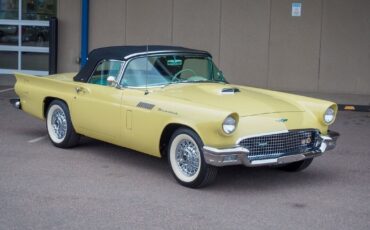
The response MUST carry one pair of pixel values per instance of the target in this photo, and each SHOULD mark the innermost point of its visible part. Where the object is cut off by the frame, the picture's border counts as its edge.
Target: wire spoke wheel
(186, 159)
(59, 125)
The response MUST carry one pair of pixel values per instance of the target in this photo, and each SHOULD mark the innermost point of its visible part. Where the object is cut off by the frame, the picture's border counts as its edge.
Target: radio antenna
(146, 70)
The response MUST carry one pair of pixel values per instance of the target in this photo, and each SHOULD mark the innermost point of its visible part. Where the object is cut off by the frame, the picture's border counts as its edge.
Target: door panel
(98, 111)
(144, 123)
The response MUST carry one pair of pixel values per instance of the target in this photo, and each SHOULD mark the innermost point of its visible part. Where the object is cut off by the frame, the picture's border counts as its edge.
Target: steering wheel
(181, 71)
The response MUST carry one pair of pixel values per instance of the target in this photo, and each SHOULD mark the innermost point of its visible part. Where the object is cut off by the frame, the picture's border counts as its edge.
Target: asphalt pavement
(101, 186)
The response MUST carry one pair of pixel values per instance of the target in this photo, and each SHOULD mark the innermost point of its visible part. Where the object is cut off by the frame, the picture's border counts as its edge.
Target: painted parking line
(6, 90)
(37, 139)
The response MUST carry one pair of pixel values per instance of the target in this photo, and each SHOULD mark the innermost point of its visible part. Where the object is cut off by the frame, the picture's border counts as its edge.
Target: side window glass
(103, 70)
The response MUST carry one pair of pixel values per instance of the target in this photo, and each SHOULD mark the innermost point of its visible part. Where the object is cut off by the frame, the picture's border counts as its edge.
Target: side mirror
(112, 82)
(220, 75)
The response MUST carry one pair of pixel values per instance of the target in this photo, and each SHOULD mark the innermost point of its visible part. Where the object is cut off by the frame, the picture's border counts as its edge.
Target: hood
(243, 100)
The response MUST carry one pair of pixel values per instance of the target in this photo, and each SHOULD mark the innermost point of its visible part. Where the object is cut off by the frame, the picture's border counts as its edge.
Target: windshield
(169, 69)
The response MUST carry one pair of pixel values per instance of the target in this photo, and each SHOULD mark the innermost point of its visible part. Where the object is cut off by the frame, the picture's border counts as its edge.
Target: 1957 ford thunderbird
(174, 102)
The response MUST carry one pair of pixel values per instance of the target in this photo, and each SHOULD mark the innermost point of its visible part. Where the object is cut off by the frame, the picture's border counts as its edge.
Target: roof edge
(166, 52)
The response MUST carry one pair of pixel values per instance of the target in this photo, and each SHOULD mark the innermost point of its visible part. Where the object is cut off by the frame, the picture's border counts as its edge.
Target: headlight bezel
(233, 120)
(330, 111)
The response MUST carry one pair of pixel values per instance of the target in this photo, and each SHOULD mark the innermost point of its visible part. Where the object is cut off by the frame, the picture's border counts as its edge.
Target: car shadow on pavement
(267, 178)
(123, 155)
(30, 133)
(232, 177)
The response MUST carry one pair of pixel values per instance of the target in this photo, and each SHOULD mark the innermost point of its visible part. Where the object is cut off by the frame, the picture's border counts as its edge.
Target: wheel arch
(48, 100)
(167, 133)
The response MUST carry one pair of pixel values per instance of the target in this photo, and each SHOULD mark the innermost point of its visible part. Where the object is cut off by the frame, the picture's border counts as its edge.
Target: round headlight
(229, 125)
(329, 115)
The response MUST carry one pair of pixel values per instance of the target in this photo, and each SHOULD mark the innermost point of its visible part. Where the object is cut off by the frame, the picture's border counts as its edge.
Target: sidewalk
(345, 99)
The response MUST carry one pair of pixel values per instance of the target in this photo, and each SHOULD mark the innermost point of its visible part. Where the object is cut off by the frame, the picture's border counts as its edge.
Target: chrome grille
(281, 144)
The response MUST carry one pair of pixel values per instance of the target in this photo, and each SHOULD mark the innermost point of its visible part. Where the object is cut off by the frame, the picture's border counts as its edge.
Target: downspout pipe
(84, 32)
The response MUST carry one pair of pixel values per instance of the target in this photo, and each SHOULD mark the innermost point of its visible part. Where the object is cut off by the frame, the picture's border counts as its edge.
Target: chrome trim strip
(166, 52)
(120, 77)
(120, 74)
(227, 151)
(264, 162)
(325, 137)
(143, 87)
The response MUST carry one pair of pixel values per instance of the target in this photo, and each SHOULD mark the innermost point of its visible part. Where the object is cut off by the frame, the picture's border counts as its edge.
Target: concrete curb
(355, 108)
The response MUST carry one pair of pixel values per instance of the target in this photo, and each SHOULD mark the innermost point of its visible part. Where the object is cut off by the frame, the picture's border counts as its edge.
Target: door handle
(79, 90)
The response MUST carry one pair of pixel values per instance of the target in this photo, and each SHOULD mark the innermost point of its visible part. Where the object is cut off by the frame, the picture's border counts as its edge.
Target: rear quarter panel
(33, 90)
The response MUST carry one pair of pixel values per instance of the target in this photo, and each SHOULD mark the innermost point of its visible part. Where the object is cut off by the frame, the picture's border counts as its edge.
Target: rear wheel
(59, 125)
(186, 159)
(296, 166)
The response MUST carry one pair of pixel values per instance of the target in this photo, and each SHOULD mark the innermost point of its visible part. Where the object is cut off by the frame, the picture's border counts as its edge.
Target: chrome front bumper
(239, 155)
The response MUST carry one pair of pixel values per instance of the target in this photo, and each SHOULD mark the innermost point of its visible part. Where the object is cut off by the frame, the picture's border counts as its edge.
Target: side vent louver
(144, 105)
(230, 90)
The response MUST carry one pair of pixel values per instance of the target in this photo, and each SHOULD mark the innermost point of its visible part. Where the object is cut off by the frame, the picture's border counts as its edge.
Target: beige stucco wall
(69, 35)
(345, 49)
(255, 42)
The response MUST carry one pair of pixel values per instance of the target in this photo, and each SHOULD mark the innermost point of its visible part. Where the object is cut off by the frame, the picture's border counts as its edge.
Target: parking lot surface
(101, 186)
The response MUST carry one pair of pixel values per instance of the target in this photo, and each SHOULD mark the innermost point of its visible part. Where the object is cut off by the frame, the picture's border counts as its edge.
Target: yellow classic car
(174, 102)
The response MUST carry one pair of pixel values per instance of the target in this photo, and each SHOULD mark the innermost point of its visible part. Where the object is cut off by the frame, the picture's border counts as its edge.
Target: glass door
(24, 35)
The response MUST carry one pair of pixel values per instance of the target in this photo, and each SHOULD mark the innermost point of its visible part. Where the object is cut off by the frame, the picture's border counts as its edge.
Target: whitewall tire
(59, 125)
(185, 157)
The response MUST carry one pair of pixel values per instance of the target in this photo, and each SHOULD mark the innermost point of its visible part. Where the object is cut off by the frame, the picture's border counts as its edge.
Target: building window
(24, 35)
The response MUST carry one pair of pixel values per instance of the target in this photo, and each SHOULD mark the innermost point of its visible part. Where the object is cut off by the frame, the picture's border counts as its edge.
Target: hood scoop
(226, 91)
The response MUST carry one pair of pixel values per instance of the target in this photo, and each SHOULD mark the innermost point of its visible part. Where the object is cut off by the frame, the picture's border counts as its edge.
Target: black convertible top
(124, 53)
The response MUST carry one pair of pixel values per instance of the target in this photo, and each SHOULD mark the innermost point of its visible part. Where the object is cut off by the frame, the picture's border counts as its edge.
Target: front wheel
(59, 125)
(186, 159)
